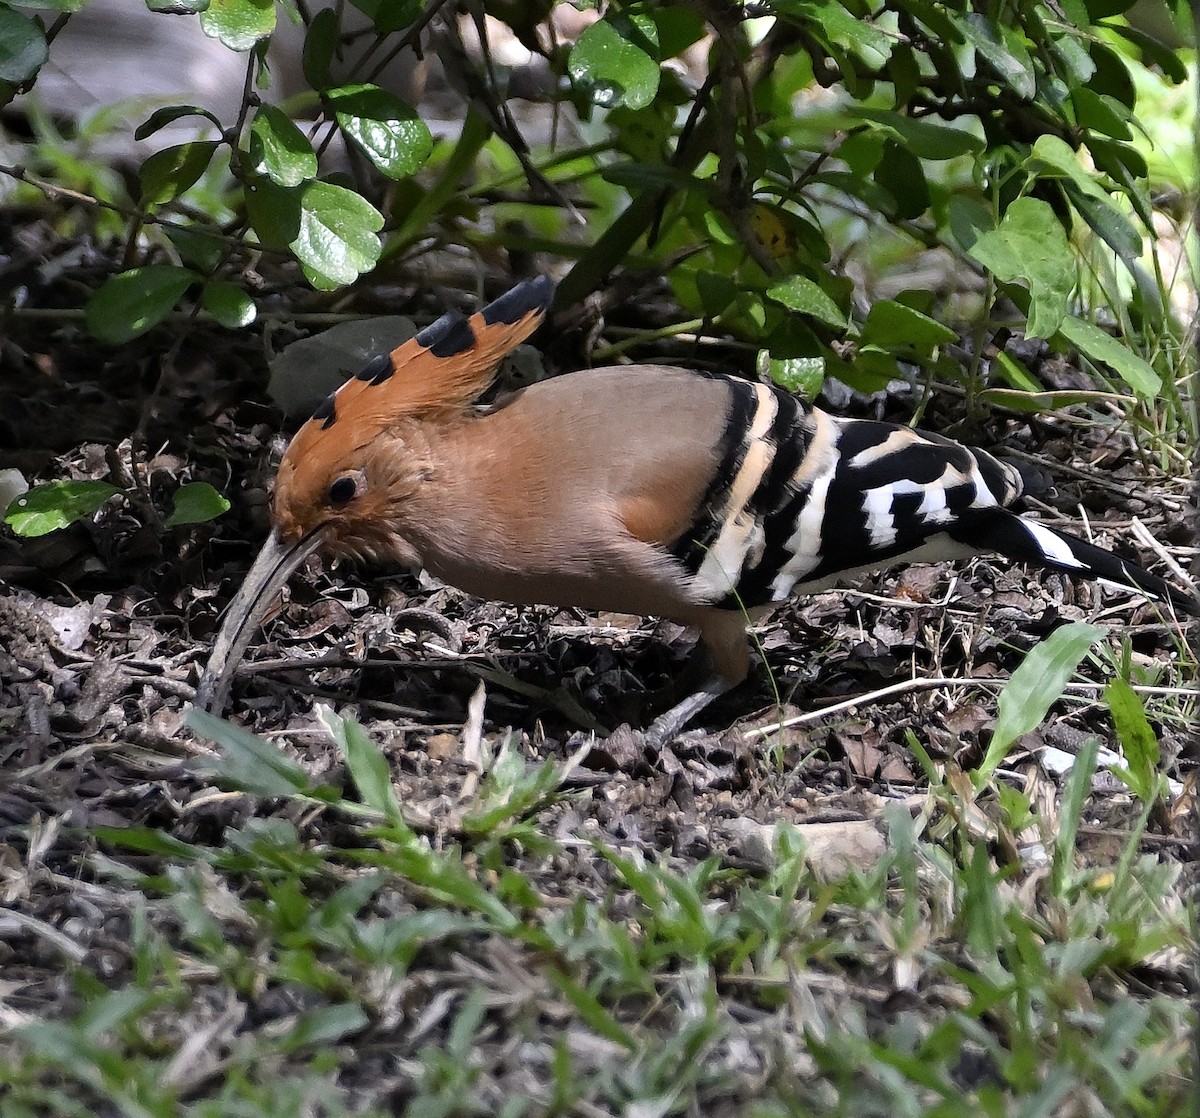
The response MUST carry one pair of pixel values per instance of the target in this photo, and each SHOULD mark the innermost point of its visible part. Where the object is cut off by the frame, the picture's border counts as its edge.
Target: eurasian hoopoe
(639, 489)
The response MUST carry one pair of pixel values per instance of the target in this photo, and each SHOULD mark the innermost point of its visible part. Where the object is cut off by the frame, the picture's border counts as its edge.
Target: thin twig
(908, 685)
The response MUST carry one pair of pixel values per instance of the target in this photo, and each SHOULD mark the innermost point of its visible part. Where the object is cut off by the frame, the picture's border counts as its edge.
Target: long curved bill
(275, 563)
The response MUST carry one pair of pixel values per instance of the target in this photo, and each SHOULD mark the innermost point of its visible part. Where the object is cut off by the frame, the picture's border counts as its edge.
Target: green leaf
(23, 47)
(1030, 245)
(900, 173)
(228, 304)
(1138, 740)
(132, 302)
(368, 766)
(1037, 682)
(148, 840)
(1109, 224)
(274, 211)
(1015, 372)
(245, 760)
(802, 376)
(1078, 63)
(200, 250)
(168, 173)
(337, 238)
(46, 508)
(279, 149)
(1058, 156)
(197, 502)
(840, 28)
(799, 293)
(389, 15)
(678, 28)
(1003, 50)
(717, 292)
(1102, 113)
(1104, 349)
(331, 230)
(613, 69)
(160, 118)
(924, 139)
(1075, 795)
(239, 24)
(591, 1009)
(325, 1025)
(388, 132)
(901, 329)
(320, 42)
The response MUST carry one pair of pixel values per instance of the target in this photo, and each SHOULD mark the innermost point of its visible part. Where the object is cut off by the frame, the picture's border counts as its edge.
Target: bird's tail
(997, 529)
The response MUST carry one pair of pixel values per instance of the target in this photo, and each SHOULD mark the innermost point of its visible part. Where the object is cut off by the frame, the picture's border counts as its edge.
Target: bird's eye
(344, 489)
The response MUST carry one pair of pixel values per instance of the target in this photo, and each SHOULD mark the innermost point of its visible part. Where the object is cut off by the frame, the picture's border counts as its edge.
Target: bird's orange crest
(443, 369)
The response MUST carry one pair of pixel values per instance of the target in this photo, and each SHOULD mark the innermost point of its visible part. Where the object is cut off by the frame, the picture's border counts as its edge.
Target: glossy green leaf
(166, 174)
(338, 236)
(23, 47)
(387, 131)
(228, 304)
(132, 302)
(239, 24)
(197, 502)
(612, 68)
(798, 293)
(1030, 245)
(279, 149)
(1104, 349)
(332, 231)
(1037, 683)
(46, 508)
(801, 376)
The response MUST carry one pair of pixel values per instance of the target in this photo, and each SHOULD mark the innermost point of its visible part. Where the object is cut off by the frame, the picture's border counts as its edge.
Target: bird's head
(346, 476)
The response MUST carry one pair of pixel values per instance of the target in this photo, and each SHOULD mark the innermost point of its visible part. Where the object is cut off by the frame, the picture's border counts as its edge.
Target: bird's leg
(666, 727)
(723, 635)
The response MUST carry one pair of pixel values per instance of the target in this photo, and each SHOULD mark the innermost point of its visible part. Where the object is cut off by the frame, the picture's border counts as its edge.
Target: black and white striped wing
(803, 499)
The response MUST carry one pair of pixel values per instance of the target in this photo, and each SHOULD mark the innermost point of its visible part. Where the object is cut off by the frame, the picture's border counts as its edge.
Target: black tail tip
(530, 296)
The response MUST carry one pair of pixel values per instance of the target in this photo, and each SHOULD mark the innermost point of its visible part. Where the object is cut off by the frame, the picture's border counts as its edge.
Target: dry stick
(1143, 533)
(907, 685)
